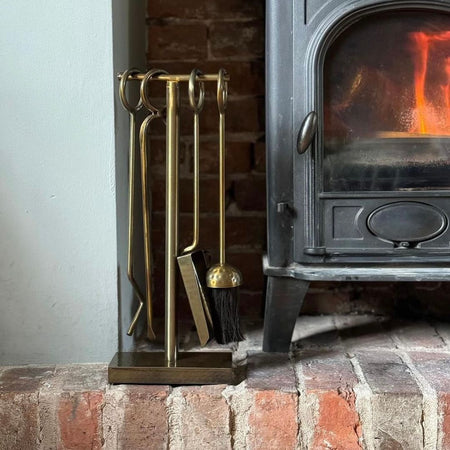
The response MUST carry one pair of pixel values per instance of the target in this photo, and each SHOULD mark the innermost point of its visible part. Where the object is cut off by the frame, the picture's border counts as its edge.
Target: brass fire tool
(192, 262)
(155, 113)
(132, 110)
(222, 278)
(170, 366)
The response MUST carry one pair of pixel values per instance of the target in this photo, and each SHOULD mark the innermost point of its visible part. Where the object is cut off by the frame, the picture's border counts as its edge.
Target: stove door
(384, 159)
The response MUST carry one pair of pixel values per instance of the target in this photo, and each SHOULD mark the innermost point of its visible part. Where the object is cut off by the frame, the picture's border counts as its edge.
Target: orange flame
(432, 115)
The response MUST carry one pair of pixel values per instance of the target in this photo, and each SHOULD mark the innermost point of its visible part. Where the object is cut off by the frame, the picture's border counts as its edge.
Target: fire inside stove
(431, 116)
(387, 105)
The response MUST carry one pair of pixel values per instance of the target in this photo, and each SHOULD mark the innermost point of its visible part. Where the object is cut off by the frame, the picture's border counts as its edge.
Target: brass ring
(196, 106)
(123, 93)
(222, 91)
(144, 96)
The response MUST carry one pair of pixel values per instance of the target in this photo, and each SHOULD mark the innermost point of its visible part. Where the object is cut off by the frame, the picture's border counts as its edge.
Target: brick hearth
(350, 382)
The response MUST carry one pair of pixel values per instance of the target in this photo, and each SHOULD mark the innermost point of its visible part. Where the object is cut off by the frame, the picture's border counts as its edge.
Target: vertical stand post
(172, 136)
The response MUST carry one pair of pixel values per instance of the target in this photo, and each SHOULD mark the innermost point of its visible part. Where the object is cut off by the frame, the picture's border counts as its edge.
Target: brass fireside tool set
(212, 293)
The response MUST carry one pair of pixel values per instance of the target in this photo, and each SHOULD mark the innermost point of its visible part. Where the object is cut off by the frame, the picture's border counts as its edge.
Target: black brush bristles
(225, 315)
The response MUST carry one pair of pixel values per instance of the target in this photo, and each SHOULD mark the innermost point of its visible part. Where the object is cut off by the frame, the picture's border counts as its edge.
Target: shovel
(192, 262)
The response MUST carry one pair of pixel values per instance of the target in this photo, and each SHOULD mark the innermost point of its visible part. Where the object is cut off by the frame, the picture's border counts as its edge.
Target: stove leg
(284, 298)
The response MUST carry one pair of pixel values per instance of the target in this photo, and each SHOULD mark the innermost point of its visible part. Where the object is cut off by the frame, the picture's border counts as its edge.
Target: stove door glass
(386, 97)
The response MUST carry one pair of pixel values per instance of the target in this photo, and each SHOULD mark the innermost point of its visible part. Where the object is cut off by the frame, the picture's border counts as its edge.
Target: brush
(222, 278)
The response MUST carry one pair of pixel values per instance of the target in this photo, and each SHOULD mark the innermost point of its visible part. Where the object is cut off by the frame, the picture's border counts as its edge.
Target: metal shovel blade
(193, 272)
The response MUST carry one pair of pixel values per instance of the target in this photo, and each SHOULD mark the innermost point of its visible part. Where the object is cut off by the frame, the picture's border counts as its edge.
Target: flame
(432, 115)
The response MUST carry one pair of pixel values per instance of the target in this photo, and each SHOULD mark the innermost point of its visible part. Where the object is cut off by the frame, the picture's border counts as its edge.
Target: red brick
(434, 299)
(250, 193)
(199, 9)
(250, 264)
(444, 401)
(238, 157)
(205, 417)
(326, 372)
(260, 156)
(251, 292)
(329, 382)
(318, 333)
(361, 337)
(338, 423)
(157, 151)
(240, 231)
(326, 301)
(348, 298)
(246, 77)
(396, 402)
(158, 154)
(19, 420)
(25, 378)
(70, 407)
(209, 192)
(80, 420)
(174, 41)
(434, 367)
(249, 231)
(416, 334)
(386, 373)
(269, 371)
(423, 299)
(194, 9)
(19, 405)
(251, 304)
(237, 40)
(443, 329)
(243, 115)
(273, 420)
(135, 417)
(209, 231)
(80, 378)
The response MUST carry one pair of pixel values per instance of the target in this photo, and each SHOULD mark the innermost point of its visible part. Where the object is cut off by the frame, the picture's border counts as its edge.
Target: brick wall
(230, 33)
(210, 35)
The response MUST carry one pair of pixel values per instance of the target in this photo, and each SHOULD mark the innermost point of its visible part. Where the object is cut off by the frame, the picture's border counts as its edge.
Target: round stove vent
(407, 222)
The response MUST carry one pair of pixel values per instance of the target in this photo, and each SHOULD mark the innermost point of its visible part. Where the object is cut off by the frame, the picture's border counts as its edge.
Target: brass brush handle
(222, 275)
(222, 97)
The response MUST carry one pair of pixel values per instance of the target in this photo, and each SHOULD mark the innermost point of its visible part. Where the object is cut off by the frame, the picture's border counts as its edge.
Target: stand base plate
(190, 368)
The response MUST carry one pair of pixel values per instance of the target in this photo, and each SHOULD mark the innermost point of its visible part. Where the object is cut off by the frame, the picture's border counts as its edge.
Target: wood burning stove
(358, 147)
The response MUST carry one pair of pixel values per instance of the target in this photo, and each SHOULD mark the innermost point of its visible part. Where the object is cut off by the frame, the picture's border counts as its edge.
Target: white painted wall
(58, 249)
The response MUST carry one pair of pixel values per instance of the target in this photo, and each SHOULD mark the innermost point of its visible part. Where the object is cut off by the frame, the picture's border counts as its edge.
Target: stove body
(364, 194)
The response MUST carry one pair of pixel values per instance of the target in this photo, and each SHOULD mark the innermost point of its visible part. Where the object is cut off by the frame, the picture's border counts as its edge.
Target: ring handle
(123, 93)
(144, 95)
(222, 91)
(196, 106)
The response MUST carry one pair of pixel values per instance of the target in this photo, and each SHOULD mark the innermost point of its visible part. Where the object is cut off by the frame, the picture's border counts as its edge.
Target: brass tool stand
(170, 366)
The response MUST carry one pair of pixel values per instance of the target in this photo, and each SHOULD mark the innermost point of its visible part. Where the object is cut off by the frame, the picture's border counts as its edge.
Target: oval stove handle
(307, 131)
